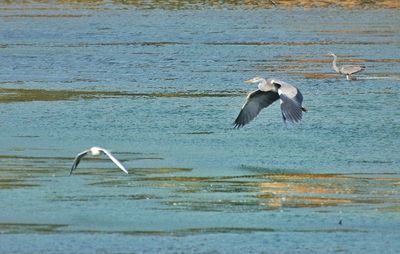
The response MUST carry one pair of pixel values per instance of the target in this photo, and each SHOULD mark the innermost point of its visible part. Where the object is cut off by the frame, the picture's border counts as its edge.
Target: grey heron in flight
(268, 92)
(347, 70)
(96, 151)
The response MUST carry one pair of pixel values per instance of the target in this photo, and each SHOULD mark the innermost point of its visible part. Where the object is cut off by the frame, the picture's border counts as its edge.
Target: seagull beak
(248, 81)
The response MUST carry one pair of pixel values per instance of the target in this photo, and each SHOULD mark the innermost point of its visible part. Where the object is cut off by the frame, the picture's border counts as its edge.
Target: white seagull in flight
(96, 151)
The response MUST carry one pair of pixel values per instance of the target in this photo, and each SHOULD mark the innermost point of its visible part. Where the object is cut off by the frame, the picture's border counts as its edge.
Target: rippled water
(161, 88)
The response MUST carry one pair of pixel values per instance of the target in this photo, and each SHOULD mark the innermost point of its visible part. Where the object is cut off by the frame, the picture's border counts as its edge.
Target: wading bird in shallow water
(347, 70)
(96, 151)
(269, 91)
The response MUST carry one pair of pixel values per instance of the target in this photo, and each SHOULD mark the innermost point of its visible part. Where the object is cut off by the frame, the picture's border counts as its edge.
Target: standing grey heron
(269, 91)
(96, 151)
(346, 69)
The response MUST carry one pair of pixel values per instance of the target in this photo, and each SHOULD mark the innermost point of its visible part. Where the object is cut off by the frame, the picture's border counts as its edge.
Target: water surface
(160, 87)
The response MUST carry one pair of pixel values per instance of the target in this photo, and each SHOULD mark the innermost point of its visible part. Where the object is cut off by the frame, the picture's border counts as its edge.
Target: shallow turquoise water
(168, 85)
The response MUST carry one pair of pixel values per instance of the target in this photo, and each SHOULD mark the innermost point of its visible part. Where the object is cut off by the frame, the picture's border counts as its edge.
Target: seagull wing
(291, 99)
(114, 160)
(255, 102)
(77, 160)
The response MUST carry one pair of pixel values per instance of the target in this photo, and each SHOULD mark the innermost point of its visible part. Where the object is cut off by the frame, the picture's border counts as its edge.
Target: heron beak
(248, 81)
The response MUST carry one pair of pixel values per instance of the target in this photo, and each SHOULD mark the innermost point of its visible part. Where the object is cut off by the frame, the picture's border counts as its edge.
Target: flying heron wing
(119, 164)
(291, 100)
(78, 159)
(255, 102)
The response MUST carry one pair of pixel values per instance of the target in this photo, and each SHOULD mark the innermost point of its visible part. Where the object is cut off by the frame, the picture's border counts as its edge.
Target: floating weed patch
(220, 230)
(197, 133)
(221, 205)
(277, 191)
(300, 43)
(177, 179)
(8, 95)
(253, 192)
(142, 197)
(264, 170)
(138, 178)
(24, 95)
(17, 228)
(331, 230)
(180, 232)
(74, 198)
(24, 228)
(395, 209)
(15, 184)
(271, 191)
(96, 172)
(17, 157)
(317, 75)
(307, 202)
(160, 170)
(45, 16)
(86, 198)
(219, 187)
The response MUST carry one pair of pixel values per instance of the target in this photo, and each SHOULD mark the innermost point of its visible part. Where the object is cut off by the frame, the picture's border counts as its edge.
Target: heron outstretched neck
(334, 63)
